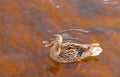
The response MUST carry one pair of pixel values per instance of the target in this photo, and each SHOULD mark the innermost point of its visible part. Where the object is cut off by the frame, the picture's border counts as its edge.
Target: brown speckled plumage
(71, 52)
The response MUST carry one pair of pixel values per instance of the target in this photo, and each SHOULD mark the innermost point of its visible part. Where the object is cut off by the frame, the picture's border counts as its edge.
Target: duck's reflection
(59, 67)
(56, 68)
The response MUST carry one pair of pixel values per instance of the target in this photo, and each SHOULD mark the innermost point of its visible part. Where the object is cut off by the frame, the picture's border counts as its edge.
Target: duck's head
(56, 39)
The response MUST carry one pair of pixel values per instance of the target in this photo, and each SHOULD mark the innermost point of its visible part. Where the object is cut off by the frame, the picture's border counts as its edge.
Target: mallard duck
(70, 52)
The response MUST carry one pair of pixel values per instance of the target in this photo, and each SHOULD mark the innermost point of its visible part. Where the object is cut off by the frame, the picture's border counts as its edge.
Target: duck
(69, 52)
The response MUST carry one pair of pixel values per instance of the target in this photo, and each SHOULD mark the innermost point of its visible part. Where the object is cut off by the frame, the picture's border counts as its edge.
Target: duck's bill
(47, 44)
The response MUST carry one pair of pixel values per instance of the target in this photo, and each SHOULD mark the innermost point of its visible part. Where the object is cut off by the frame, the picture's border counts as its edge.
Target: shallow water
(25, 24)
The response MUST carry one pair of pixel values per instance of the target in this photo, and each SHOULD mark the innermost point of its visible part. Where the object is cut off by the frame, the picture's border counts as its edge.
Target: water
(25, 24)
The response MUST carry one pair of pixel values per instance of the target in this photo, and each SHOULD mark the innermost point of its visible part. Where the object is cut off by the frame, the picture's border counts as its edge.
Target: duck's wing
(74, 50)
(76, 47)
(71, 52)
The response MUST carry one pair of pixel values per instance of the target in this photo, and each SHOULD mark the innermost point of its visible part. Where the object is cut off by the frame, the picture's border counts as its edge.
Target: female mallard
(70, 52)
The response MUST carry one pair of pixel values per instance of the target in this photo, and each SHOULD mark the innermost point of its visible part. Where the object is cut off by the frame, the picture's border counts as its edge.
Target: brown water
(24, 24)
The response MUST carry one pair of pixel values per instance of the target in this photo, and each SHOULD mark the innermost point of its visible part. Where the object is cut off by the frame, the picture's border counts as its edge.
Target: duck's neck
(55, 50)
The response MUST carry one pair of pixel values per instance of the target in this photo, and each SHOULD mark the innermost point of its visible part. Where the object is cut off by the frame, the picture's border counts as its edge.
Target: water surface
(25, 24)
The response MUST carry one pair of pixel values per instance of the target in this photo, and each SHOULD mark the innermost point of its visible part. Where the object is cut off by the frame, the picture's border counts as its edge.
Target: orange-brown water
(24, 24)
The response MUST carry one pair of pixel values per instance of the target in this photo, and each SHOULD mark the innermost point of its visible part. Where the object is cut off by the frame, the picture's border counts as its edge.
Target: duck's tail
(96, 49)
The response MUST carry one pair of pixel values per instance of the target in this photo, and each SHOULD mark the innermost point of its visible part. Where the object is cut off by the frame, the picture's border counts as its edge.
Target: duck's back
(71, 52)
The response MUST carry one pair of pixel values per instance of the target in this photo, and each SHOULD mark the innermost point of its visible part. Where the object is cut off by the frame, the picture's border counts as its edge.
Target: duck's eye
(54, 39)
